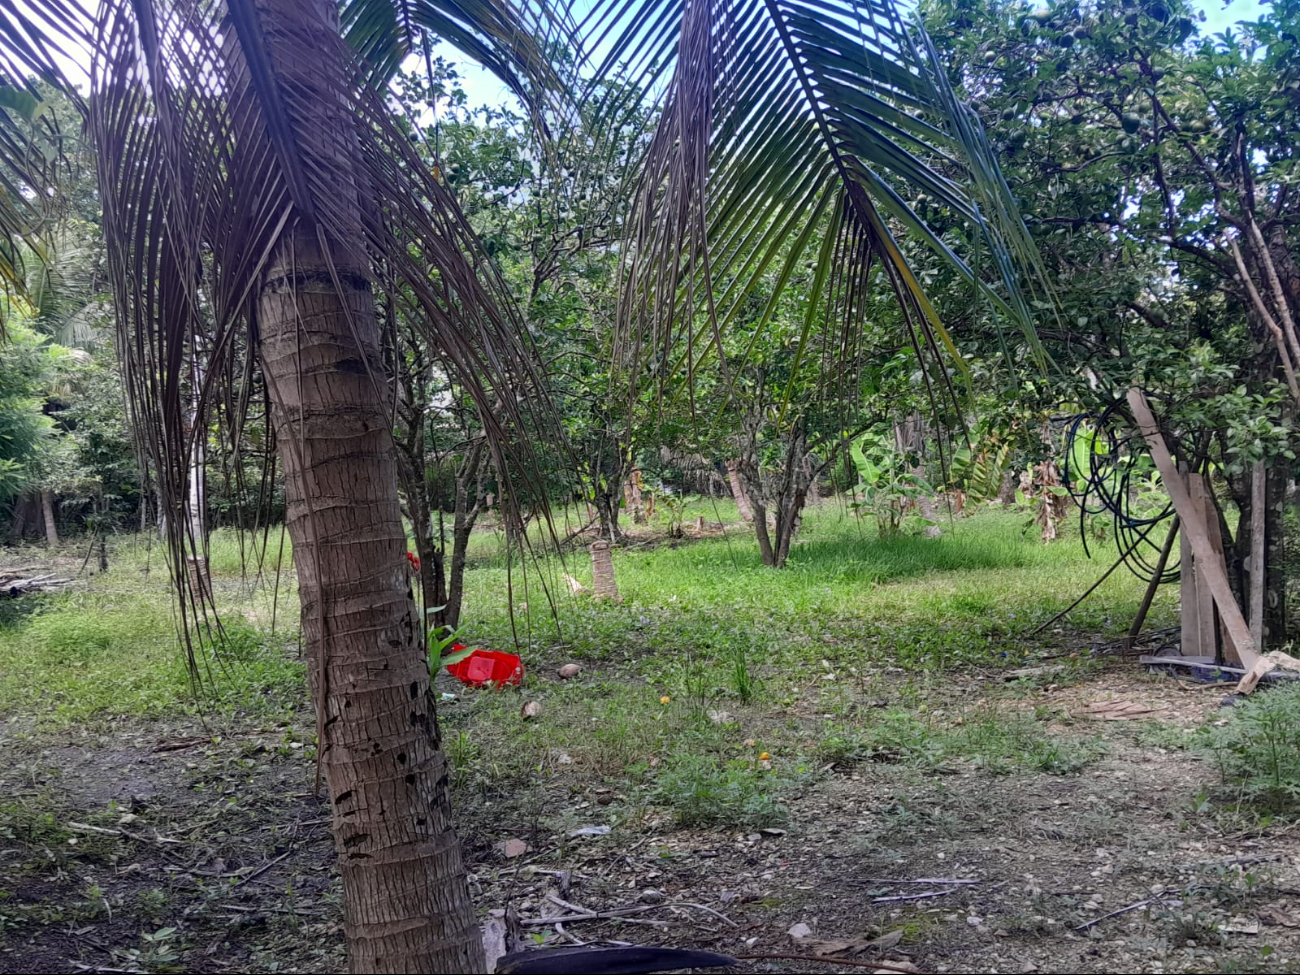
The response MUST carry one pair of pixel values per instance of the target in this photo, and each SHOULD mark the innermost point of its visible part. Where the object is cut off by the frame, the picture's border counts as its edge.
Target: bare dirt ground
(176, 847)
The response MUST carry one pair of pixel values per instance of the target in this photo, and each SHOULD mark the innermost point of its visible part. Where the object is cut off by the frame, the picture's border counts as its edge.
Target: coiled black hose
(1104, 487)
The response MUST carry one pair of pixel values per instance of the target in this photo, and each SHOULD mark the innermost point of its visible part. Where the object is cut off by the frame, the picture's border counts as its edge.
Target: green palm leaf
(788, 118)
(31, 144)
(509, 40)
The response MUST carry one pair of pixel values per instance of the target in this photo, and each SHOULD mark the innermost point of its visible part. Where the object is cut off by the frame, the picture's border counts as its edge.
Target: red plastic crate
(484, 667)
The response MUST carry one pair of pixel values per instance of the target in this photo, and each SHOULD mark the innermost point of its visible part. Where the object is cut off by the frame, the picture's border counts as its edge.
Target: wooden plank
(1189, 619)
(1230, 651)
(1204, 598)
(1192, 518)
(1258, 504)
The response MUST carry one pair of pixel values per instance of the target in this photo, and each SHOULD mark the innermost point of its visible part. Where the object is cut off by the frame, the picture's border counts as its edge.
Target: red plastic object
(488, 667)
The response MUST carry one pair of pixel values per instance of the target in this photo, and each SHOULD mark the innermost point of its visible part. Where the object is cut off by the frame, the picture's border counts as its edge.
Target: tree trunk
(764, 536)
(928, 508)
(738, 490)
(468, 508)
(789, 516)
(407, 905)
(1275, 576)
(1007, 491)
(632, 496)
(196, 502)
(51, 528)
(814, 490)
(607, 513)
(21, 518)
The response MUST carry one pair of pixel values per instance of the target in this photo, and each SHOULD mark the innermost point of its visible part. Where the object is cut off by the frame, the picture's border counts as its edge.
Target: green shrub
(703, 790)
(67, 637)
(1258, 750)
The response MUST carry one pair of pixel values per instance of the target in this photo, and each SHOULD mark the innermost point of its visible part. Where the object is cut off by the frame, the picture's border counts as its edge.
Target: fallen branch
(299, 912)
(127, 834)
(1123, 910)
(17, 586)
(616, 914)
(928, 895)
(264, 868)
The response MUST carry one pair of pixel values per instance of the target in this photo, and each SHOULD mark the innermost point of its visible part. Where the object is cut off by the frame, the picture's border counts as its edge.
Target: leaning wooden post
(1210, 563)
(603, 585)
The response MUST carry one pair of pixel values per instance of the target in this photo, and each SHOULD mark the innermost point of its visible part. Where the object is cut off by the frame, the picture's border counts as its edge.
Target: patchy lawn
(867, 747)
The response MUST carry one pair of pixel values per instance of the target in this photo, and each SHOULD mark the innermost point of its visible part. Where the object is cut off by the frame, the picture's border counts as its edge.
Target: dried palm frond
(783, 121)
(205, 165)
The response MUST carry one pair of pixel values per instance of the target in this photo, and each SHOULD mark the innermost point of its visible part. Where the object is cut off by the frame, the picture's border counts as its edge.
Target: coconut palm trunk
(407, 903)
(51, 526)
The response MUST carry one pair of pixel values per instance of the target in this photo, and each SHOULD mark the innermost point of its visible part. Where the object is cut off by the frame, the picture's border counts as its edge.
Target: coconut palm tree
(258, 203)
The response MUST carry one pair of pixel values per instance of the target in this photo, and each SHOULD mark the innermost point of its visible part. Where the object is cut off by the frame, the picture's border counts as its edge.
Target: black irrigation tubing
(1106, 487)
(1123, 558)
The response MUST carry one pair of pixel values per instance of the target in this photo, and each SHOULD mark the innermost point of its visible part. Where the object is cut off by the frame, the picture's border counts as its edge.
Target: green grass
(701, 618)
(998, 742)
(750, 659)
(111, 649)
(968, 597)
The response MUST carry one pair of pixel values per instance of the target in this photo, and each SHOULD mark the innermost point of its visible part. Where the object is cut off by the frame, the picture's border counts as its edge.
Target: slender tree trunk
(928, 508)
(1275, 575)
(22, 514)
(197, 519)
(51, 527)
(814, 490)
(407, 906)
(196, 501)
(788, 519)
(468, 508)
(607, 513)
(738, 490)
(765, 548)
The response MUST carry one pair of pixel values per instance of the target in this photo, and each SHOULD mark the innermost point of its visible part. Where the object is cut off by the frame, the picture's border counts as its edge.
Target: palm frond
(31, 144)
(205, 163)
(785, 119)
(513, 41)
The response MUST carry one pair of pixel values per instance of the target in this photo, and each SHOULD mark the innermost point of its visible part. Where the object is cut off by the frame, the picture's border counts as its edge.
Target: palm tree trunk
(407, 902)
(51, 528)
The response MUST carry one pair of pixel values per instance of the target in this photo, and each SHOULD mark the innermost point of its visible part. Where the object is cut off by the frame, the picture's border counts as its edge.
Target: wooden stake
(1140, 620)
(1188, 599)
(1210, 564)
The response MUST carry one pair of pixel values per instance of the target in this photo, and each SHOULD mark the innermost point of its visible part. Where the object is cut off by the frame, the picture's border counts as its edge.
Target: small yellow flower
(765, 757)
(665, 699)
